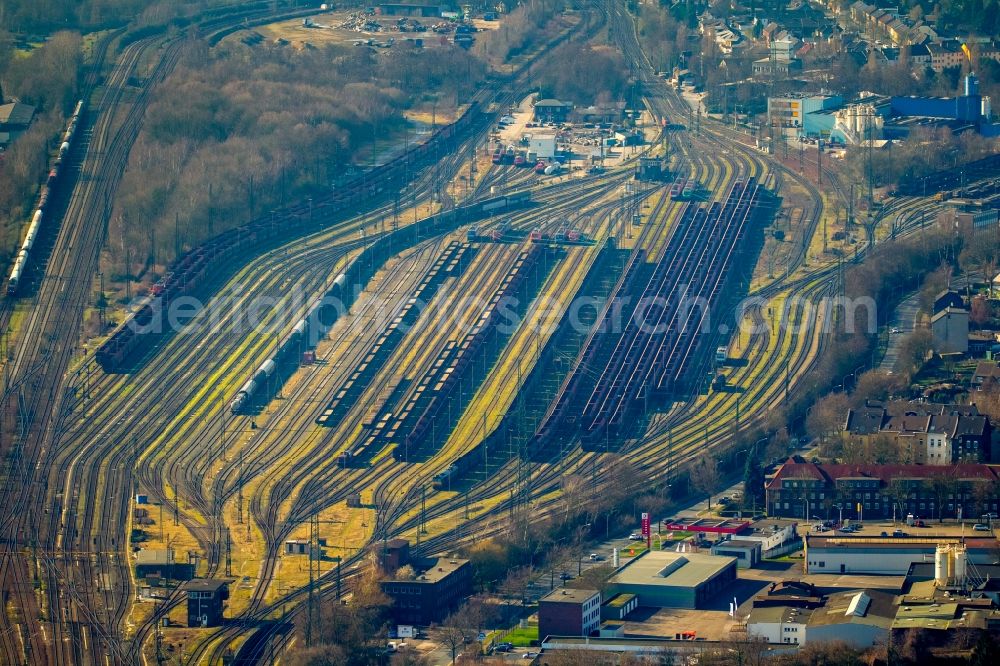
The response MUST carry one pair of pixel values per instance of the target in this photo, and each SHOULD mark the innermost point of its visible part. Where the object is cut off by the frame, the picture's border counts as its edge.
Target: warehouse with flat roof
(887, 556)
(674, 580)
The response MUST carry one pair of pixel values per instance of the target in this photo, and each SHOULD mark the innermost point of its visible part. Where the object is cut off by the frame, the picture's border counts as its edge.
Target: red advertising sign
(645, 524)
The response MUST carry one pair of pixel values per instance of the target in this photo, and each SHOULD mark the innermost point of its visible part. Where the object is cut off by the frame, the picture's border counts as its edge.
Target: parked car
(565, 576)
(594, 557)
(635, 536)
(899, 533)
(980, 527)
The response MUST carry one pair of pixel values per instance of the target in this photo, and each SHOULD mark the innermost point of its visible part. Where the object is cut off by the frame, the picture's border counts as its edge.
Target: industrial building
(891, 556)
(792, 110)
(15, 118)
(929, 581)
(747, 553)
(161, 565)
(432, 594)
(543, 145)
(394, 554)
(947, 599)
(775, 539)
(567, 611)
(860, 618)
(618, 606)
(667, 579)
(872, 117)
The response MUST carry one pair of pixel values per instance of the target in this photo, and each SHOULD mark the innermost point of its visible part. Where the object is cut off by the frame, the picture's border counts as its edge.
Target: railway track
(96, 472)
(72, 628)
(186, 443)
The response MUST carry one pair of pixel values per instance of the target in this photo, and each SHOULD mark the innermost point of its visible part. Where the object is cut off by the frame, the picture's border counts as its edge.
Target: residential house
(987, 375)
(946, 54)
(950, 331)
(948, 298)
(15, 118)
(929, 433)
(552, 110)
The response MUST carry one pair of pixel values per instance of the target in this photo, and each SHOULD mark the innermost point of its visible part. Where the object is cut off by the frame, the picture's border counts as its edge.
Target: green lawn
(523, 637)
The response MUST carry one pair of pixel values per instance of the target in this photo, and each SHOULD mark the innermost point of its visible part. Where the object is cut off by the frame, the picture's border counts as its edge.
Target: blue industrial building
(888, 117)
(966, 108)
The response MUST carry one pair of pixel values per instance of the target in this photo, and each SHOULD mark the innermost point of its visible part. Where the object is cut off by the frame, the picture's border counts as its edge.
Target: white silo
(961, 564)
(941, 565)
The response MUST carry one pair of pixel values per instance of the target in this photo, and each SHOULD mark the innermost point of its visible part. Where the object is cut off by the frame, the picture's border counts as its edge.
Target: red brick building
(808, 490)
(432, 594)
(569, 612)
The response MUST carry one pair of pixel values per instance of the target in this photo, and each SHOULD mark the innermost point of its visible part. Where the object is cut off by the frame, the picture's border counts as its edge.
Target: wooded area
(523, 29)
(923, 152)
(583, 74)
(237, 130)
(38, 17)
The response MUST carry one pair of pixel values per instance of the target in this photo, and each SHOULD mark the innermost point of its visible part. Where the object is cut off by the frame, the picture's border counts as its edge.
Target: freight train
(192, 268)
(472, 459)
(951, 178)
(41, 206)
(319, 317)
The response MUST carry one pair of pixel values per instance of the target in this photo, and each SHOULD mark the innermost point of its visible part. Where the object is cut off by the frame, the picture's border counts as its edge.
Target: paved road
(903, 319)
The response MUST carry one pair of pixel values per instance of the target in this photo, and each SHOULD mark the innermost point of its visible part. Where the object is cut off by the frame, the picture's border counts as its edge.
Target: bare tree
(453, 633)
(827, 416)
(479, 613)
(705, 477)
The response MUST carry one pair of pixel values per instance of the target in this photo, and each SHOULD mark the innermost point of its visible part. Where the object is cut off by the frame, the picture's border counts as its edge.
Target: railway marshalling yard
(231, 489)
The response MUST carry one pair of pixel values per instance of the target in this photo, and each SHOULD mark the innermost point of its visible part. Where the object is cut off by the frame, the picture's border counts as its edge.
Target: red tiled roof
(805, 470)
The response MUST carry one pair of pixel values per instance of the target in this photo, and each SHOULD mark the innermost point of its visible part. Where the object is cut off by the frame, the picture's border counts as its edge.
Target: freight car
(473, 458)
(302, 336)
(23, 257)
(951, 178)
